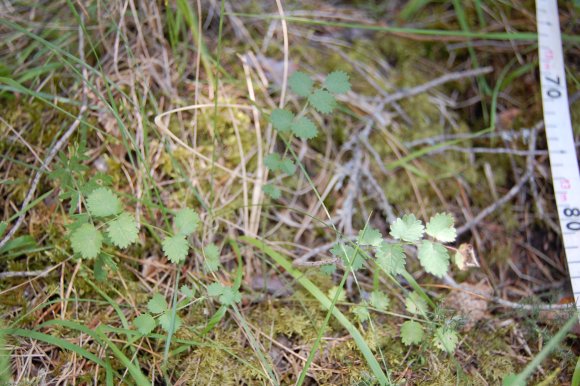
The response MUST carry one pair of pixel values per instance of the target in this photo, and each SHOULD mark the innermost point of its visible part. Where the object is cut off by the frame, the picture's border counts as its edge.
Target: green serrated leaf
(281, 120)
(212, 258)
(186, 221)
(304, 128)
(446, 340)
(411, 333)
(165, 322)
(415, 304)
(407, 228)
(441, 228)
(102, 202)
(379, 300)
(215, 289)
(337, 82)
(157, 304)
(434, 258)
(391, 258)
(275, 163)
(350, 257)
(145, 323)
(272, 191)
(288, 167)
(370, 236)
(123, 231)
(86, 240)
(300, 83)
(361, 311)
(230, 296)
(323, 101)
(272, 161)
(187, 291)
(176, 248)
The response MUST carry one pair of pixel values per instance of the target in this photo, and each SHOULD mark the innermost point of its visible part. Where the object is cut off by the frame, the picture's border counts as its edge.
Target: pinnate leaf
(337, 82)
(144, 323)
(123, 231)
(434, 258)
(186, 221)
(411, 333)
(272, 191)
(323, 101)
(407, 228)
(157, 304)
(370, 236)
(391, 258)
(175, 248)
(300, 83)
(304, 128)
(86, 240)
(102, 202)
(441, 228)
(281, 119)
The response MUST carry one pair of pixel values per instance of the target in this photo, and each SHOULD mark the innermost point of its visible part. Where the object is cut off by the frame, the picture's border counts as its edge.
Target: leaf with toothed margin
(441, 228)
(281, 120)
(86, 240)
(145, 323)
(123, 230)
(433, 257)
(411, 333)
(300, 83)
(102, 202)
(175, 248)
(407, 228)
(337, 82)
(323, 101)
(272, 191)
(304, 128)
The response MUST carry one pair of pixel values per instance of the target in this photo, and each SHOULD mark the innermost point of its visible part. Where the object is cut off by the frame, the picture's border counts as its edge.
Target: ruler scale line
(561, 147)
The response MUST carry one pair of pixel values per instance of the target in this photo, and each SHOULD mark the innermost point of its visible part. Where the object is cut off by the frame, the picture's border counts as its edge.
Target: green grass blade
(520, 379)
(53, 340)
(326, 303)
(458, 35)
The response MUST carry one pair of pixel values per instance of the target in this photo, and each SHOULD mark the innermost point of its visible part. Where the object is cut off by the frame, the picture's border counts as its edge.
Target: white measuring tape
(563, 159)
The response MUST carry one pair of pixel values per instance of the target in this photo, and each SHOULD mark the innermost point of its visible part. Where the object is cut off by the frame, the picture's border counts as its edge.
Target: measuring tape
(563, 159)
